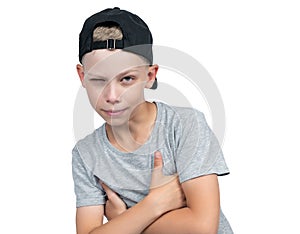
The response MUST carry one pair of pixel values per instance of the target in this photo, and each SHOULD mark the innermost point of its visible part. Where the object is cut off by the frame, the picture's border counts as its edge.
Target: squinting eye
(97, 80)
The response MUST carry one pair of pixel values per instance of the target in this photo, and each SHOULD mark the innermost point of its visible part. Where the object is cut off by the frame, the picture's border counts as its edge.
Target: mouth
(114, 113)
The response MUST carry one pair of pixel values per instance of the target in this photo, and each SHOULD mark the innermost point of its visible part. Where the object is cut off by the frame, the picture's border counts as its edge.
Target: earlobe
(80, 72)
(151, 75)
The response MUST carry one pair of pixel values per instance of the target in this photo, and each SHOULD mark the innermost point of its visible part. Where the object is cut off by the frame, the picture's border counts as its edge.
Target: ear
(152, 71)
(80, 72)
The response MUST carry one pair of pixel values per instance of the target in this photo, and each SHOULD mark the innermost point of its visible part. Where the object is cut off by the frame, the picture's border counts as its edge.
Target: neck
(131, 136)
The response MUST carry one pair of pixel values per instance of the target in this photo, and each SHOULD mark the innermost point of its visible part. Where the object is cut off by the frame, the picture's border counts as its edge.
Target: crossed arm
(162, 211)
(201, 215)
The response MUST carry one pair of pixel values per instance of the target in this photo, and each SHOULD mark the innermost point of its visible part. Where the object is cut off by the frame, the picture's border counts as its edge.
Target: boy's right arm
(133, 220)
(89, 218)
(160, 200)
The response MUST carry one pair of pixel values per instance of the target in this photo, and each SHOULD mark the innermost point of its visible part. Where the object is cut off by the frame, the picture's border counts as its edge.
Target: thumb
(158, 178)
(157, 173)
(158, 160)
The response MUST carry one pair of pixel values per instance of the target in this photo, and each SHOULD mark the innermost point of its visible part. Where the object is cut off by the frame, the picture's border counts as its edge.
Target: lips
(114, 113)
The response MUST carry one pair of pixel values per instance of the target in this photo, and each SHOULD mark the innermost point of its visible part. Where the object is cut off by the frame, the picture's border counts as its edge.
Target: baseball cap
(137, 37)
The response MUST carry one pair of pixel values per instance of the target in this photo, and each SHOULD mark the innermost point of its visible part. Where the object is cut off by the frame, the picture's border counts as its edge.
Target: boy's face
(115, 82)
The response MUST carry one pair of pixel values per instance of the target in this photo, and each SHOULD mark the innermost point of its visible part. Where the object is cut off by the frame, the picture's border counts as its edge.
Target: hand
(114, 205)
(165, 191)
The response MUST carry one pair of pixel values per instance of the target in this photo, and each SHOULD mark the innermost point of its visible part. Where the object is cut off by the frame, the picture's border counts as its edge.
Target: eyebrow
(93, 76)
(126, 72)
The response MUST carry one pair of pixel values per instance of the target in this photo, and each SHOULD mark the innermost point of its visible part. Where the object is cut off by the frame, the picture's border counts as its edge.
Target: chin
(116, 122)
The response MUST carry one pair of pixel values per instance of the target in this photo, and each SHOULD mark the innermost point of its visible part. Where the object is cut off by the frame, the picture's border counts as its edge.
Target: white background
(250, 48)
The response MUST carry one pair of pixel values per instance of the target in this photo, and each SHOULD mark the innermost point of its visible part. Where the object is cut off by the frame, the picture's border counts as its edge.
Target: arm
(89, 219)
(134, 220)
(201, 214)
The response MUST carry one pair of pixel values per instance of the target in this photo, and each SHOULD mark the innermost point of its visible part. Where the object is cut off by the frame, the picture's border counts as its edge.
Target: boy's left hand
(114, 205)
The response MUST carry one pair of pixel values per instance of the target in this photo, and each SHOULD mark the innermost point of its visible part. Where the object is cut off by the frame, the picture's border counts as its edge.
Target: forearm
(182, 221)
(133, 220)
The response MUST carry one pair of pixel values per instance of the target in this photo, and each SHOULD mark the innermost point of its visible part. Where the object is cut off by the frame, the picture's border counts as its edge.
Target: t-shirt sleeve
(87, 190)
(198, 151)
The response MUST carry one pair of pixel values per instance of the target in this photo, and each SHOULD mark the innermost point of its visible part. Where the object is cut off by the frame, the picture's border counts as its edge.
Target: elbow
(204, 228)
(204, 224)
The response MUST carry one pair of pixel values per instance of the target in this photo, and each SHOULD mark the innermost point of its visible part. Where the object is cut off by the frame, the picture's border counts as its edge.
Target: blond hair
(103, 33)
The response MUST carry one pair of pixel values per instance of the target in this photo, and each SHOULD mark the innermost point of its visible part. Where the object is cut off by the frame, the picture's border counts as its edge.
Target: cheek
(134, 95)
(94, 96)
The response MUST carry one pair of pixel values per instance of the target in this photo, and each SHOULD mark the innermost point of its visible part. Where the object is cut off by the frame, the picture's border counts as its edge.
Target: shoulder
(185, 115)
(87, 148)
(90, 140)
(186, 123)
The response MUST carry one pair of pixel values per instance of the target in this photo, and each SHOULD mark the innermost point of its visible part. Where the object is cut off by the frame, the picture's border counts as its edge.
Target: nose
(111, 93)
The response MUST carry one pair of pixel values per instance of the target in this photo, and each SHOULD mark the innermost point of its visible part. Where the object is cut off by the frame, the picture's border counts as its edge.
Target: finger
(110, 193)
(158, 159)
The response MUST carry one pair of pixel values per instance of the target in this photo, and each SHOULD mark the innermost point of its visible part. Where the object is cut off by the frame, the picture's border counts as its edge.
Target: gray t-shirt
(188, 146)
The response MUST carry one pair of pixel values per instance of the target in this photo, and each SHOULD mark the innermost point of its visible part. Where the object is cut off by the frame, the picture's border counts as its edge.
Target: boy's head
(114, 29)
(115, 49)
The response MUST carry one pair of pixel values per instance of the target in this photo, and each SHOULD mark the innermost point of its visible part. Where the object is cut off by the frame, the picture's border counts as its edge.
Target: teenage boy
(113, 167)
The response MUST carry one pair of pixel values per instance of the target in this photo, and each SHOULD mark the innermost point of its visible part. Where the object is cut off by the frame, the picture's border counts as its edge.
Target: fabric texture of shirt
(188, 147)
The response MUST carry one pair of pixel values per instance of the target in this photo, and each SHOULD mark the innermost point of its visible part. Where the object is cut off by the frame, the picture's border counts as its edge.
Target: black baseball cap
(137, 37)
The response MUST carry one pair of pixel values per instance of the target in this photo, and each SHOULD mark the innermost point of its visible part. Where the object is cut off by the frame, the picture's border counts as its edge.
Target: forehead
(109, 63)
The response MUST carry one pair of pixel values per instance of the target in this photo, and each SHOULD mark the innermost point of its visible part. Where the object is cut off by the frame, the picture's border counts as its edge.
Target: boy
(113, 167)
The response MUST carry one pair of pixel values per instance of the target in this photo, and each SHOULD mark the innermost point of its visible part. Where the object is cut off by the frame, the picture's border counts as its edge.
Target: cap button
(117, 8)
